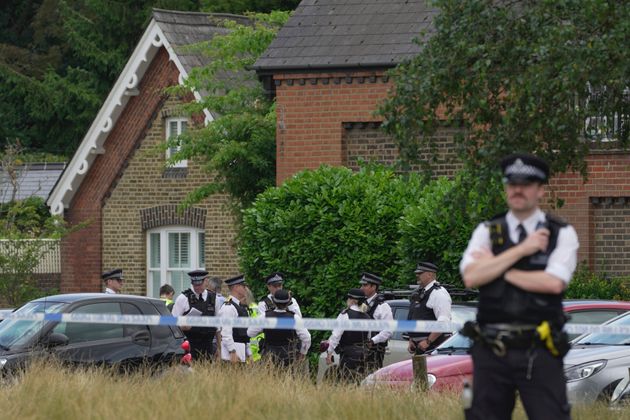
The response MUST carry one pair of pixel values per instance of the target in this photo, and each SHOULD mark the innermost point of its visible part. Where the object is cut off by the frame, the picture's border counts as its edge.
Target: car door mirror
(56, 340)
(142, 338)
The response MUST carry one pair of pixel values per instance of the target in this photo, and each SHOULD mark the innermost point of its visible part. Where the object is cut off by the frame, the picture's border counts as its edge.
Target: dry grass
(48, 391)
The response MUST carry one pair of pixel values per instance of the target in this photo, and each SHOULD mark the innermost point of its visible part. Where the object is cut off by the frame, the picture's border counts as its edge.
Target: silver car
(397, 347)
(597, 363)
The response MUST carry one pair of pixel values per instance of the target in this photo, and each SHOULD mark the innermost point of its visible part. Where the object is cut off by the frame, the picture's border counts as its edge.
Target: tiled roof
(326, 34)
(182, 29)
(36, 179)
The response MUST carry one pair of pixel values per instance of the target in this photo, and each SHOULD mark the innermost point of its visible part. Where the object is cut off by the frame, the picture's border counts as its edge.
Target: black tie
(521, 233)
(200, 297)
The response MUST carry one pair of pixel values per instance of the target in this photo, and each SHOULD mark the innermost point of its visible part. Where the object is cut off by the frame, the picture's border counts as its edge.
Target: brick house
(118, 183)
(327, 71)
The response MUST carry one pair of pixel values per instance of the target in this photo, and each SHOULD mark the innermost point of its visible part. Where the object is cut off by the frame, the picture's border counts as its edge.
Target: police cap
(281, 296)
(236, 280)
(356, 294)
(197, 276)
(426, 266)
(369, 278)
(274, 278)
(521, 168)
(116, 273)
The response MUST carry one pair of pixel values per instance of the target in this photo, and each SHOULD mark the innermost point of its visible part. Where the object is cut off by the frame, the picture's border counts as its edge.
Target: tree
(237, 149)
(58, 61)
(27, 233)
(519, 75)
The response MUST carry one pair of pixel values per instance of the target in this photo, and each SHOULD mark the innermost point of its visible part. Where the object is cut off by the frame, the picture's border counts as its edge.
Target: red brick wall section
(81, 252)
(311, 109)
(598, 211)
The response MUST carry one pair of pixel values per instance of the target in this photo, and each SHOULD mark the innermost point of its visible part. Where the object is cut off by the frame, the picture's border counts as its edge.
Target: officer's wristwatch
(232, 351)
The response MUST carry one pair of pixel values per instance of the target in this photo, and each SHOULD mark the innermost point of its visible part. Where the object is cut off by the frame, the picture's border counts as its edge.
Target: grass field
(47, 391)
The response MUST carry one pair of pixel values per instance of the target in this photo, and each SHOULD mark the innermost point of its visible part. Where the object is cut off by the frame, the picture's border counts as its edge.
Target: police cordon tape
(326, 324)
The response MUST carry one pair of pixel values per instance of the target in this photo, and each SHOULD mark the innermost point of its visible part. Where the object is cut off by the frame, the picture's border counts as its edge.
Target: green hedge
(437, 228)
(322, 228)
(586, 284)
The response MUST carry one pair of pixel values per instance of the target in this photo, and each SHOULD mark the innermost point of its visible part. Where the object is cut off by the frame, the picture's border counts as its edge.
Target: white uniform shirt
(227, 339)
(562, 260)
(382, 312)
(440, 302)
(335, 337)
(302, 333)
(293, 307)
(110, 291)
(181, 303)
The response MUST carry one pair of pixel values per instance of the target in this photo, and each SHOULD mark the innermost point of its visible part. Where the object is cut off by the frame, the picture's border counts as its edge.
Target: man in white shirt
(198, 301)
(234, 341)
(275, 281)
(431, 302)
(379, 309)
(521, 262)
(113, 281)
(283, 346)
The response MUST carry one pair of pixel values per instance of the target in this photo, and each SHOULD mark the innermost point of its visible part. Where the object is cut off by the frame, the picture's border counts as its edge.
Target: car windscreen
(456, 342)
(608, 338)
(18, 332)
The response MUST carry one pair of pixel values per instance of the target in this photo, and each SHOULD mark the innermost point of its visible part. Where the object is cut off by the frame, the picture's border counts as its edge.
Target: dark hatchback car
(121, 345)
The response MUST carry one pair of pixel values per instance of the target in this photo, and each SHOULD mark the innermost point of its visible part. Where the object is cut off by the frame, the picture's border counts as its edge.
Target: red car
(450, 364)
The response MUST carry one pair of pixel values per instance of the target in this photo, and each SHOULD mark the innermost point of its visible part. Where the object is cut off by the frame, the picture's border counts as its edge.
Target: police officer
(283, 346)
(431, 302)
(198, 301)
(234, 341)
(275, 281)
(351, 346)
(521, 262)
(113, 280)
(377, 309)
(166, 294)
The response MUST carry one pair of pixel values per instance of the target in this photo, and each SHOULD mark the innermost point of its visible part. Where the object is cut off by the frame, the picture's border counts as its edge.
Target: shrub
(586, 284)
(322, 228)
(438, 226)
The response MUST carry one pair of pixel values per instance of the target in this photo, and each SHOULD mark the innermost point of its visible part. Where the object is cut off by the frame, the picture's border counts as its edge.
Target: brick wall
(329, 118)
(143, 192)
(125, 179)
(367, 142)
(598, 209)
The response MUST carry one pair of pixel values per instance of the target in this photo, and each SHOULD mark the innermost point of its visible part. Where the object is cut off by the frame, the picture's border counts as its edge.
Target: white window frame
(180, 123)
(164, 270)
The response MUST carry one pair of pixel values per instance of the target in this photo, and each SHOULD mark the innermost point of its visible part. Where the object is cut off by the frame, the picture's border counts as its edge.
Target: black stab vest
(419, 311)
(206, 307)
(278, 337)
(351, 338)
(239, 334)
(501, 302)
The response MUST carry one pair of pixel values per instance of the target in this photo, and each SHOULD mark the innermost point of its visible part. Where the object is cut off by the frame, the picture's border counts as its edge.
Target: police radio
(540, 258)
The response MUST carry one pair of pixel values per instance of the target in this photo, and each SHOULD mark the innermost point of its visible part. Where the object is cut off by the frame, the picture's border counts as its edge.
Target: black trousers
(496, 380)
(201, 349)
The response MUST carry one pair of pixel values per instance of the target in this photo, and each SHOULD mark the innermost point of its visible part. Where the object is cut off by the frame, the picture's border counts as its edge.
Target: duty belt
(500, 337)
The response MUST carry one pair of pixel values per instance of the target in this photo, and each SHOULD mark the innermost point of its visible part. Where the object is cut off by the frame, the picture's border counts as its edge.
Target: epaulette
(560, 222)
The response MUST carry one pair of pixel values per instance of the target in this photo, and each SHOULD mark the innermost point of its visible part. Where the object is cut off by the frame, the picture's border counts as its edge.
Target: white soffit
(125, 87)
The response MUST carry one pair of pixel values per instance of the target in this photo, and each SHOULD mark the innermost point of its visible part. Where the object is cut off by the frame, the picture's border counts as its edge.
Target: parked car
(3, 312)
(397, 346)
(597, 363)
(450, 364)
(89, 343)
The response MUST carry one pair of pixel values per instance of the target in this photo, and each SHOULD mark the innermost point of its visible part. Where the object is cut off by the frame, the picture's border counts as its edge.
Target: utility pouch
(471, 330)
(560, 341)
